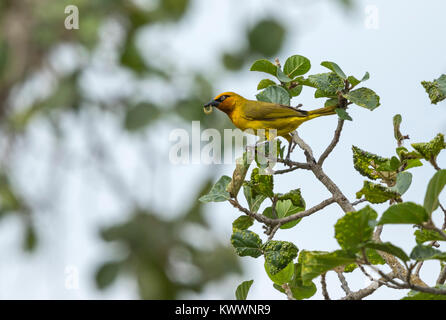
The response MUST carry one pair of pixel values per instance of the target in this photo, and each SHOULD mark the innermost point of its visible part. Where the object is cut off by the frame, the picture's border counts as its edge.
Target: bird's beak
(212, 103)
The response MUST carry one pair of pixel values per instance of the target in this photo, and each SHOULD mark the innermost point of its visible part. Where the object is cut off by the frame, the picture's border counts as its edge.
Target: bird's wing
(256, 110)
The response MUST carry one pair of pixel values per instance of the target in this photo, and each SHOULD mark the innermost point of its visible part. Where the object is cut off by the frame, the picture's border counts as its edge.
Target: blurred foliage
(161, 259)
(25, 52)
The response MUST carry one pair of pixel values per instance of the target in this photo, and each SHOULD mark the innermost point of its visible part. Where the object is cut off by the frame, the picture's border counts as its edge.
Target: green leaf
(243, 289)
(261, 183)
(373, 256)
(424, 235)
(436, 89)
(331, 102)
(284, 208)
(403, 182)
(283, 276)
(295, 91)
(299, 290)
(343, 114)
(246, 243)
(431, 149)
(218, 192)
(413, 163)
(366, 163)
(274, 94)
(404, 213)
(390, 166)
(376, 193)
(434, 188)
(288, 204)
(264, 65)
(140, 116)
(350, 267)
(254, 200)
(335, 68)
(282, 76)
(107, 274)
(327, 83)
(363, 97)
(421, 252)
(397, 119)
(278, 254)
(355, 228)
(365, 77)
(389, 248)
(305, 82)
(323, 94)
(416, 295)
(295, 196)
(314, 263)
(239, 174)
(296, 65)
(354, 82)
(265, 83)
(242, 223)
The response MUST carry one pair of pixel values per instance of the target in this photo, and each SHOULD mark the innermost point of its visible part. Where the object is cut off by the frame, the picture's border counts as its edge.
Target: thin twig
(359, 201)
(324, 287)
(344, 283)
(274, 222)
(273, 231)
(288, 292)
(412, 286)
(375, 285)
(308, 212)
(444, 211)
(292, 166)
(333, 143)
(442, 276)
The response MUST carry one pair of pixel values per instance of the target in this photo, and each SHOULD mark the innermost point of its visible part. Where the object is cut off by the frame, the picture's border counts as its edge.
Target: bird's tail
(326, 111)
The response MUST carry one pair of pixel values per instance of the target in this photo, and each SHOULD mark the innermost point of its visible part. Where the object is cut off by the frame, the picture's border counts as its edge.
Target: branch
(442, 277)
(444, 211)
(339, 197)
(324, 287)
(333, 143)
(306, 213)
(256, 216)
(344, 284)
(414, 286)
(375, 285)
(292, 166)
(397, 268)
(305, 147)
(288, 292)
(359, 201)
(276, 223)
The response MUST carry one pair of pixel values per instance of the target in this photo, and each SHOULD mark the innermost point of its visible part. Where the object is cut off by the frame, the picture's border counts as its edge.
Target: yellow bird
(255, 115)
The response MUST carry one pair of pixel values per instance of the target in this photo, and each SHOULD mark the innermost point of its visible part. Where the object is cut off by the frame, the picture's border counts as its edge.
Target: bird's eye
(222, 98)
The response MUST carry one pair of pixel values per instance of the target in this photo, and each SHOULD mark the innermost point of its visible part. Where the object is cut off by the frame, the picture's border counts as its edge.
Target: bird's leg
(288, 155)
(291, 146)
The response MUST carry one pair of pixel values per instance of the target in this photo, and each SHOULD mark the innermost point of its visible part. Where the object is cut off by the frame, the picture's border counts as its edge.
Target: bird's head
(225, 101)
